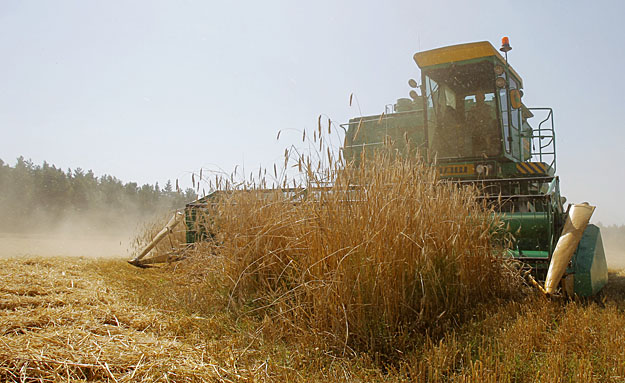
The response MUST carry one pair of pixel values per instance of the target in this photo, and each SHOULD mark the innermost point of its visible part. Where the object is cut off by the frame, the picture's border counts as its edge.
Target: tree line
(36, 196)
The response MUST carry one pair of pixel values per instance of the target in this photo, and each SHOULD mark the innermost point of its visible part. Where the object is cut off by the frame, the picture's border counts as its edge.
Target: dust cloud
(85, 235)
(52, 245)
(613, 238)
(615, 255)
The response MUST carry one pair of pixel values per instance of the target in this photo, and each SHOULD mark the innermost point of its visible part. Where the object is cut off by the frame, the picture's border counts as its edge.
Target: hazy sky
(152, 90)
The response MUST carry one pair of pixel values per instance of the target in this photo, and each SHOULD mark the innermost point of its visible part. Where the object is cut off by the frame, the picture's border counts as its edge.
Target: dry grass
(69, 319)
(89, 320)
(60, 322)
(532, 341)
(370, 268)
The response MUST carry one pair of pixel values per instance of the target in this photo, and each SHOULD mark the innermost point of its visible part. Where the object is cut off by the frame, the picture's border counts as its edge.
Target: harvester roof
(458, 53)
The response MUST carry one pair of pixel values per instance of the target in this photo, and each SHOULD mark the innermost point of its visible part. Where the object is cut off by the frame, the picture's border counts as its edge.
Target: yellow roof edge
(459, 52)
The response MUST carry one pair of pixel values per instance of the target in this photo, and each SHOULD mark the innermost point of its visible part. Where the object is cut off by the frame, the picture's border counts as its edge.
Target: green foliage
(36, 196)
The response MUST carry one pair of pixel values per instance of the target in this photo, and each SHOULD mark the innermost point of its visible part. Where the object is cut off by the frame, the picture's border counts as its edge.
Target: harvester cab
(469, 115)
(473, 107)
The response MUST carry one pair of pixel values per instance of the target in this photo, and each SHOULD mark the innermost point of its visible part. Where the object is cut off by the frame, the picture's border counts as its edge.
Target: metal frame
(551, 204)
(546, 150)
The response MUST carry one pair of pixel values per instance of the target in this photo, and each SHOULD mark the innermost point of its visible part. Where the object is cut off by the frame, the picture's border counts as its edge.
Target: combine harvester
(470, 120)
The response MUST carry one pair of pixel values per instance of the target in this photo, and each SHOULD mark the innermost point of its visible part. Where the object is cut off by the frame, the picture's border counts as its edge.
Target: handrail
(544, 138)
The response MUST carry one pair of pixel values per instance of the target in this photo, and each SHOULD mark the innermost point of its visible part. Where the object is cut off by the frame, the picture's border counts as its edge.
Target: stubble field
(103, 320)
(67, 315)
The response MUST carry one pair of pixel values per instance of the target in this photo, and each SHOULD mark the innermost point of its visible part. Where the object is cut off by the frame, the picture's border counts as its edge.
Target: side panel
(374, 132)
(190, 223)
(589, 263)
(530, 230)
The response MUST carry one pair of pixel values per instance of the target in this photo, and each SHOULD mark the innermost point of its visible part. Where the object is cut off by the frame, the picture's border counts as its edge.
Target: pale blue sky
(152, 90)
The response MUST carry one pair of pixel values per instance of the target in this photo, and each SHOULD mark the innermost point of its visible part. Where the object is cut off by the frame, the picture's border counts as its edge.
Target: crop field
(311, 192)
(104, 320)
(396, 282)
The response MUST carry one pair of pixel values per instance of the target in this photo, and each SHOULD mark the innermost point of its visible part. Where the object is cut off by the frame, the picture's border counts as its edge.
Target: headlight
(500, 82)
(498, 70)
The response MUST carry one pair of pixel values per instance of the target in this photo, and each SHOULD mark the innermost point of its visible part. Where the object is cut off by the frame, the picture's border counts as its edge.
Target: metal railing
(543, 139)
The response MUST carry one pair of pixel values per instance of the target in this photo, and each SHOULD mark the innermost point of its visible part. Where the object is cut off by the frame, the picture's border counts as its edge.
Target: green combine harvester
(469, 119)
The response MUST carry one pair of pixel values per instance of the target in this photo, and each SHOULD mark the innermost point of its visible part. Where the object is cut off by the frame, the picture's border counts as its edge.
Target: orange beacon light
(505, 45)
